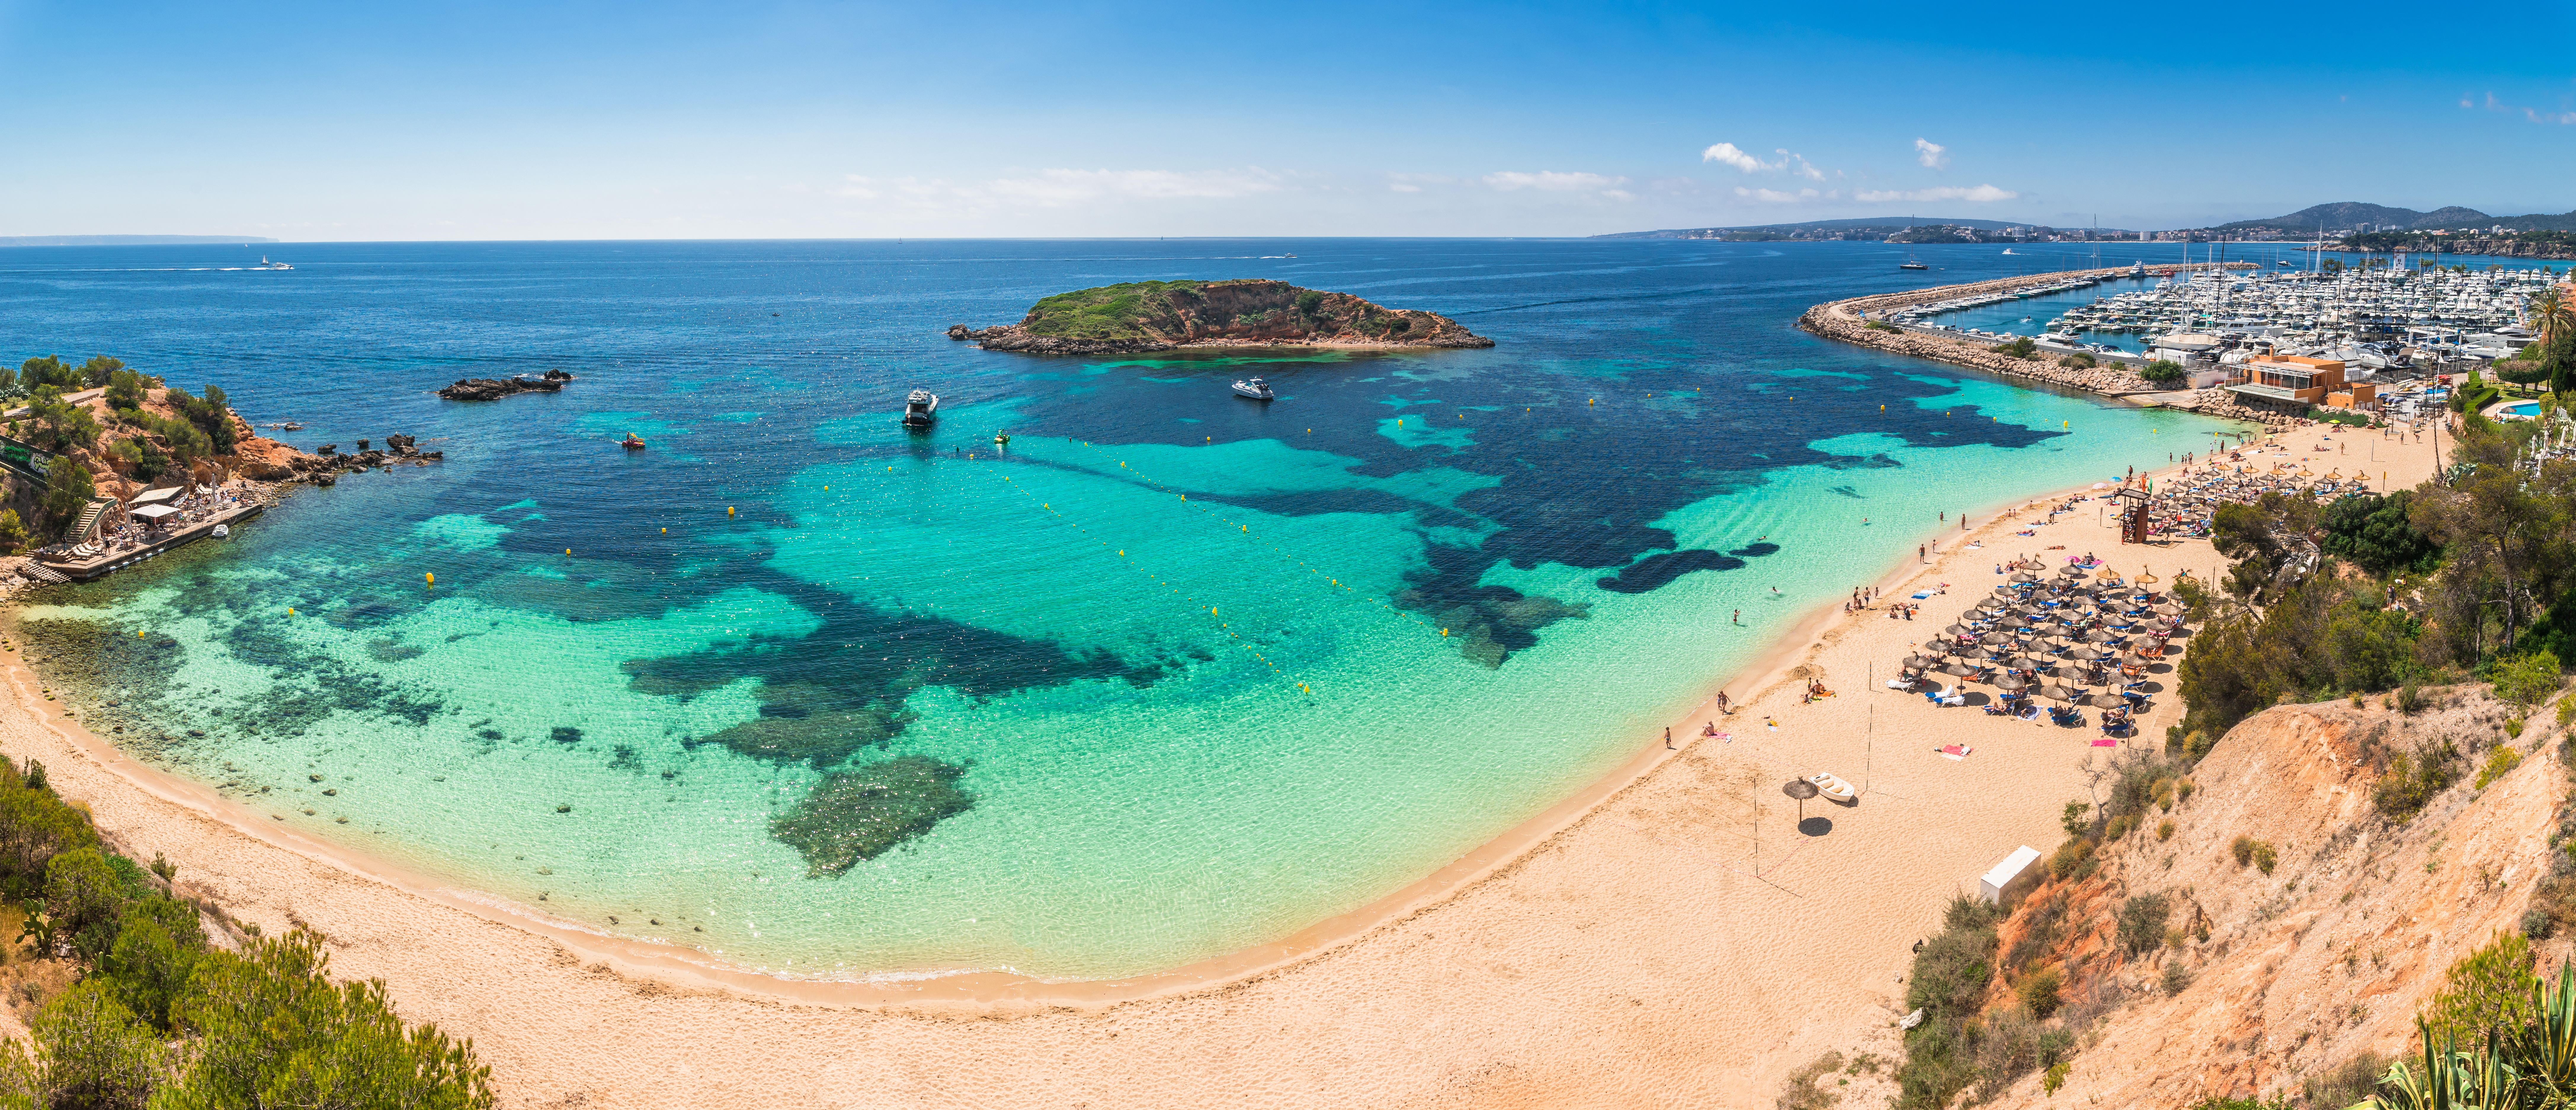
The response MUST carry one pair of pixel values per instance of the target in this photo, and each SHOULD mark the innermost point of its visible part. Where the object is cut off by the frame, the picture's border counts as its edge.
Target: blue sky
(645, 119)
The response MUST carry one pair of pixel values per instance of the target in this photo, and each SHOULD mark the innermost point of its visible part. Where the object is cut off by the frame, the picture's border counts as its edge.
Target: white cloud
(1552, 181)
(1980, 194)
(1932, 155)
(1413, 182)
(1727, 153)
(1057, 187)
(1775, 196)
(2538, 116)
(1804, 169)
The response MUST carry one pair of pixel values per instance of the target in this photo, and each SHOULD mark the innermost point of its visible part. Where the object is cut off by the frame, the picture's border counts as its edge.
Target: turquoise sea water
(1164, 678)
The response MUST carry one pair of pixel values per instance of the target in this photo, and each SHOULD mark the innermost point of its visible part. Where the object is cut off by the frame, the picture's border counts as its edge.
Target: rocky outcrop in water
(493, 389)
(1162, 315)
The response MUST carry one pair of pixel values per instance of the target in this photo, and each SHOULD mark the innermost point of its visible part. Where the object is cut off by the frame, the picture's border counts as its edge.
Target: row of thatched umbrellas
(2012, 611)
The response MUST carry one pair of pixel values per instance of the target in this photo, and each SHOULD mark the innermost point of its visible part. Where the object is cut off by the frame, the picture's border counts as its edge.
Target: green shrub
(2265, 858)
(2024, 347)
(2040, 990)
(1801, 1093)
(13, 534)
(2528, 680)
(2486, 989)
(2501, 759)
(2164, 831)
(2412, 780)
(2163, 371)
(2177, 979)
(272, 1029)
(68, 488)
(2142, 922)
(2242, 849)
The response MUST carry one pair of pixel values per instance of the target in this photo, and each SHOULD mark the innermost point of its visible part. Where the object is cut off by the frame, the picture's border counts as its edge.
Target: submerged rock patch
(858, 814)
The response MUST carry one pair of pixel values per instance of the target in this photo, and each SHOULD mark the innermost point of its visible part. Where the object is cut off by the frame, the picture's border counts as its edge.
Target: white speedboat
(222, 530)
(921, 409)
(265, 264)
(1254, 388)
(1833, 788)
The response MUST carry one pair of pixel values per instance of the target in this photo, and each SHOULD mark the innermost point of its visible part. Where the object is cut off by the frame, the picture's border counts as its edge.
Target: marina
(2383, 320)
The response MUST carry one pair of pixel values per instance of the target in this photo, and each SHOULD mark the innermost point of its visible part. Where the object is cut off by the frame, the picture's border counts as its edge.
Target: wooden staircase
(88, 521)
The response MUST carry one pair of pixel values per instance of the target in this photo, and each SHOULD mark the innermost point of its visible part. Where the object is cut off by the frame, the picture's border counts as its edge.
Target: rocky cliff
(1161, 315)
(2319, 951)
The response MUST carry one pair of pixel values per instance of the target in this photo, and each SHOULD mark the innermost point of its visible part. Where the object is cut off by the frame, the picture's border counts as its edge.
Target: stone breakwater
(1843, 320)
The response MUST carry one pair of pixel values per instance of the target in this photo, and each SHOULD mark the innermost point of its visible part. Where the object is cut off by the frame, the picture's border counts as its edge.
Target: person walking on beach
(1922, 553)
(1738, 618)
(1723, 704)
(1668, 738)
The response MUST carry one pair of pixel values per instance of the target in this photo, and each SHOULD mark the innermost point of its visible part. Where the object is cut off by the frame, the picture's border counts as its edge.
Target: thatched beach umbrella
(1918, 662)
(2107, 701)
(2084, 653)
(1958, 630)
(2099, 636)
(2057, 693)
(2024, 576)
(1960, 670)
(1802, 790)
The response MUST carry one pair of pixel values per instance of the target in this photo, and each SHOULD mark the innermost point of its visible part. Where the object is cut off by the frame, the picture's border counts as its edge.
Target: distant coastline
(124, 240)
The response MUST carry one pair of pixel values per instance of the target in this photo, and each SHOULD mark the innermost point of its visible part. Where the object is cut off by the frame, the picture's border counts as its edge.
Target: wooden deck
(105, 562)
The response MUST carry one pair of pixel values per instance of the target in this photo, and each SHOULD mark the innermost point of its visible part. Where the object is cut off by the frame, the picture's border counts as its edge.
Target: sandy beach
(1667, 937)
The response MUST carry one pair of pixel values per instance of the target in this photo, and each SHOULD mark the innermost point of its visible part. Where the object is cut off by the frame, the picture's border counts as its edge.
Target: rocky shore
(493, 389)
(267, 460)
(1844, 321)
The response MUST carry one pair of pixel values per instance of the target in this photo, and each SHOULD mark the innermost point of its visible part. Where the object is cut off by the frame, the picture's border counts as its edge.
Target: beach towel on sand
(1954, 751)
(2106, 742)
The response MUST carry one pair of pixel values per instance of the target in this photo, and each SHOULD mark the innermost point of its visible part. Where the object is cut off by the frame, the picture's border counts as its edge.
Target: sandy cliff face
(2333, 953)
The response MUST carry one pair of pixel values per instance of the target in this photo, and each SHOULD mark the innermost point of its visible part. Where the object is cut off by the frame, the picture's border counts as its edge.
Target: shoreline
(1765, 672)
(1667, 915)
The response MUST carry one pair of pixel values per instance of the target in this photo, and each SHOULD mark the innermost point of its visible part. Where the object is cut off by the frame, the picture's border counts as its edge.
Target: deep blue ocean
(1171, 674)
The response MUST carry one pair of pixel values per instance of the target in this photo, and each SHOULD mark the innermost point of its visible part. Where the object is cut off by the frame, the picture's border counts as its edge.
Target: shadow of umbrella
(1802, 790)
(1815, 826)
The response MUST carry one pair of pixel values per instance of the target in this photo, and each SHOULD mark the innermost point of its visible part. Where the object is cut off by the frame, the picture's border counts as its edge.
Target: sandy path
(1667, 939)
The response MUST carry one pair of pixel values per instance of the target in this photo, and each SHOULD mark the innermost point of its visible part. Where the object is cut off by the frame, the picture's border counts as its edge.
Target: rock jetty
(1843, 320)
(493, 389)
(1256, 312)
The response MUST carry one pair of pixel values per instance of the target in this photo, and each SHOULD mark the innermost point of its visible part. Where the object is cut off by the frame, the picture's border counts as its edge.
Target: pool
(2526, 408)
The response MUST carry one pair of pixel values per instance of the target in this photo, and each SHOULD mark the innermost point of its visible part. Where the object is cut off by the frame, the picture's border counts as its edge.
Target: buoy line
(1213, 614)
(1246, 529)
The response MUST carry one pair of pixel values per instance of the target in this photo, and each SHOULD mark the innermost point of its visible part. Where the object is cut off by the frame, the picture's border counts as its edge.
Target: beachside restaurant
(2292, 383)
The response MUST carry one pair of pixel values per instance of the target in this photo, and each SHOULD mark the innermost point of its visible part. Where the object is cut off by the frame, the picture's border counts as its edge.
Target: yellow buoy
(567, 551)
(138, 634)
(729, 508)
(666, 531)
(432, 579)
(1444, 632)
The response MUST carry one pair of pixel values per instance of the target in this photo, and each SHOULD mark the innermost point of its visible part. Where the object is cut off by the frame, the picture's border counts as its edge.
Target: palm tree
(2553, 318)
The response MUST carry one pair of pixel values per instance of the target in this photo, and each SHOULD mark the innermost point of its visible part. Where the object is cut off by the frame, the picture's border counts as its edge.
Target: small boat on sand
(1833, 788)
(1254, 388)
(921, 409)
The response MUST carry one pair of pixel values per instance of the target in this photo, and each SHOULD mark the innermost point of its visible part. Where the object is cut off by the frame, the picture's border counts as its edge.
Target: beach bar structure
(2290, 383)
(1999, 881)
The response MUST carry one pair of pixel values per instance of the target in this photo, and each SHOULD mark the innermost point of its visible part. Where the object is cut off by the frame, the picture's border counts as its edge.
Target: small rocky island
(493, 389)
(1250, 312)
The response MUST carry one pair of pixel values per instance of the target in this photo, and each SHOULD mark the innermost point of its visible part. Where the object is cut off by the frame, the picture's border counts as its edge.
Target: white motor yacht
(265, 264)
(920, 409)
(1254, 388)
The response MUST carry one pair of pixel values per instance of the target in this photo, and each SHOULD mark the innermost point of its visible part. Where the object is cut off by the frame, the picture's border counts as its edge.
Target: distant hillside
(1869, 224)
(2350, 214)
(123, 240)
